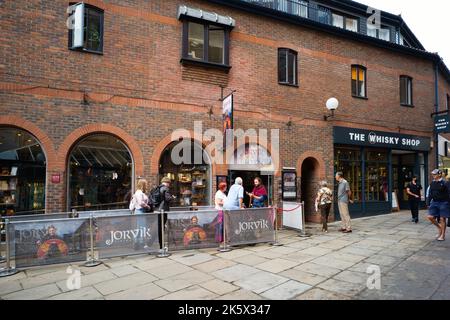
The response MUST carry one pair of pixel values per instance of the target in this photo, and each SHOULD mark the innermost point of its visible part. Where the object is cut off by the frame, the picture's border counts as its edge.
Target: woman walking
(140, 205)
(323, 203)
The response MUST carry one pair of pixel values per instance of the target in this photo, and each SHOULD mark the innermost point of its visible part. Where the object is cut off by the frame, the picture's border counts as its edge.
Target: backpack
(155, 197)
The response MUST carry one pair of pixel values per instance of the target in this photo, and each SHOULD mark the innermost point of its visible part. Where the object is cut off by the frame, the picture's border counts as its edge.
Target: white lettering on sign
(357, 137)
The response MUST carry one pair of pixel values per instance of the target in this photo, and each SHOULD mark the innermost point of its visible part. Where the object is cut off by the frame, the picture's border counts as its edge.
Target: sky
(428, 20)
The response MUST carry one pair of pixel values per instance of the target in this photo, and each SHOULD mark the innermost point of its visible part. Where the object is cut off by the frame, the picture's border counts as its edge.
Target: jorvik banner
(126, 235)
(49, 242)
(249, 226)
(199, 229)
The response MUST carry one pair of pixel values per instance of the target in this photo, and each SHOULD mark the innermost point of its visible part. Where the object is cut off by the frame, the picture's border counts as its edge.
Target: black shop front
(378, 166)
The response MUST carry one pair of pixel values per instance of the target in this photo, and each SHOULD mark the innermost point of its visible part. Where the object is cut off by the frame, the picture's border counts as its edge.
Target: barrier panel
(193, 229)
(126, 235)
(103, 213)
(249, 226)
(43, 242)
(46, 216)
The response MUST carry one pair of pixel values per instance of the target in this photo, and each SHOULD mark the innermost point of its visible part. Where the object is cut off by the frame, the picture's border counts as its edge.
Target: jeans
(414, 205)
(141, 222)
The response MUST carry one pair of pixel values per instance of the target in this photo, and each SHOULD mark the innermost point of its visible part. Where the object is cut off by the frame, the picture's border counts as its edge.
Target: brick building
(85, 111)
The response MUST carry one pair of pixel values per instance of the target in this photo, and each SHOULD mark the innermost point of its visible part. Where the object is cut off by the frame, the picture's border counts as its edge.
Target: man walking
(343, 198)
(414, 194)
(438, 198)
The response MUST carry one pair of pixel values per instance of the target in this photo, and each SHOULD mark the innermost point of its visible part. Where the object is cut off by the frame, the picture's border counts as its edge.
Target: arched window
(100, 174)
(187, 165)
(22, 173)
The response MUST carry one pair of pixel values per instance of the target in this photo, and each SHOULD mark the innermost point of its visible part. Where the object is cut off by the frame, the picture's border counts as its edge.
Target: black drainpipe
(436, 105)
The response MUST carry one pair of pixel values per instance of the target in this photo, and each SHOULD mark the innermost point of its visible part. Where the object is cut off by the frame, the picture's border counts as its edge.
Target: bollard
(225, 247)
(163, 253)
(276, 243)
(303, 233)
(92, 262)
(8, 271)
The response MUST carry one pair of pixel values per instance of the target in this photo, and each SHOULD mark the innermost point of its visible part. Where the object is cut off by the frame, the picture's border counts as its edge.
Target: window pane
(362, 83)
(354, 81)
(371, 30)
(338, 21)
(291, 68)
(351, 24)
(93, 30)
(216, 45)
(196, 41)
(403, 90)
(385, 34)
(282, 66)
(300, 8)
(376, 182)
(323, 15)
(409, 93)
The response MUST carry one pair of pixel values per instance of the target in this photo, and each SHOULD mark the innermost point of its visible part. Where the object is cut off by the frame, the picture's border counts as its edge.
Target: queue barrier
(41, 242)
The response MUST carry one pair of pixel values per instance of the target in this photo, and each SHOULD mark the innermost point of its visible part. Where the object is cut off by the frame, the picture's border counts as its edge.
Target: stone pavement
(324, 266)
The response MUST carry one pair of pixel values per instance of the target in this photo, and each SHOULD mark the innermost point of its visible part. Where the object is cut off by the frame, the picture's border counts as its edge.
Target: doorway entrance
(247, 178)
(309, 183)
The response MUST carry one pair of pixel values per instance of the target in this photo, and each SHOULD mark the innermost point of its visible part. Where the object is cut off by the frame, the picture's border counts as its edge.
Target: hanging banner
(194, 230)
(43, 242)
(248, 226)
(126, 235)
(227, 120)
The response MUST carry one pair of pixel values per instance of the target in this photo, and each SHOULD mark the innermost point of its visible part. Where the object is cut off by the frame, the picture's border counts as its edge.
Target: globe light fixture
(332, 104)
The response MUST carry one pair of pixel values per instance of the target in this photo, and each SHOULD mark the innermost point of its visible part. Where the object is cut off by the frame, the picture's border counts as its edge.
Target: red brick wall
(139, 91)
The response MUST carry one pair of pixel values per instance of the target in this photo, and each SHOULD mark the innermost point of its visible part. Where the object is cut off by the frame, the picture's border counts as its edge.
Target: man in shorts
(439, 198)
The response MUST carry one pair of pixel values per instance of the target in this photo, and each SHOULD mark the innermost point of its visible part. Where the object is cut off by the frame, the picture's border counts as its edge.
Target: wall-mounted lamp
(332, 104)
(289, 123)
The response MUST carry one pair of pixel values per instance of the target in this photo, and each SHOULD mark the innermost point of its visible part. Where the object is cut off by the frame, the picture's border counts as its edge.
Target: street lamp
(332, 104)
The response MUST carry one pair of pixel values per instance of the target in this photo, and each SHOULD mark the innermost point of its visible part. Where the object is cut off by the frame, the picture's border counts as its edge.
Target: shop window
(348, 161)
(86, 32)
(22, 173)
(376, 176)
(287, 67)
(184, 163)
(359, 76)
(406, 93)
(101, 171)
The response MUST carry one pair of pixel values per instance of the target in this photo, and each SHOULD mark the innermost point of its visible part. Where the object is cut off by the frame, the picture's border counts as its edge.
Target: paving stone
(352, 277)
(260, 281)
(277, 265)
(35, 293)
(118, 262)
(87, 293)
(283, 250)
(214, 265)
(300, 245)
(382, 260)
(251, 260)
(342, 287)
(286, 291)
(153, 263)
(42, 279)
(235, 272)
(124, 283)
(316, 251)
(89, 270)
(37, 271)
(9, 287)
(299, 257)
(240, 295)
(169, 270)
(124, 270)
(269, 254)
(321, 294)
(328, 261)
(304, 277)
(192, 293)
(318, 269)
(183, 280)
(17, 276)
(336, 244)
(149, 291)
(191, 259)
(219, 287)
(235, 253)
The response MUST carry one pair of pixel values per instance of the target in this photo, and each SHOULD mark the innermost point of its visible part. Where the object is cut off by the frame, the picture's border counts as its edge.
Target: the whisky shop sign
(370, 138)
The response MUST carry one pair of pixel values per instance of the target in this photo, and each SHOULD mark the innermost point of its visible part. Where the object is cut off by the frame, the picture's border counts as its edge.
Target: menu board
(289, 185)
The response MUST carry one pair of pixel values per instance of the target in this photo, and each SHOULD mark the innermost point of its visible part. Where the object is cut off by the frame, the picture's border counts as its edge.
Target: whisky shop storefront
(378, 166)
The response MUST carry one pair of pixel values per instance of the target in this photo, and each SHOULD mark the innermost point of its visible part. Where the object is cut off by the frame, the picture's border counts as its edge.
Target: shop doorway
(247, 178)
(309, 185)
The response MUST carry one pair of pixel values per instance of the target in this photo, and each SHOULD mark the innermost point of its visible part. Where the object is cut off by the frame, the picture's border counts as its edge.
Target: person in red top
(259, 194)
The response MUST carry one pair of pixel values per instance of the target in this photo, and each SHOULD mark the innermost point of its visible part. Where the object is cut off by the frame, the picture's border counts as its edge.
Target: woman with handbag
(140, 205)
(323, 203)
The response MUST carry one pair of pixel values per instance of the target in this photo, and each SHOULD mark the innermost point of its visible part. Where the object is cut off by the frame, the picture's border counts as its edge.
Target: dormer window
(344, 22)
(383, 33)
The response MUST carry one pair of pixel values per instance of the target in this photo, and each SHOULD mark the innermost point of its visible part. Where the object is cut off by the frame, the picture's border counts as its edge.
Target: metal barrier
(53, 241)
(103, 213)
(193, 229)
(192, 208)
(250, 226)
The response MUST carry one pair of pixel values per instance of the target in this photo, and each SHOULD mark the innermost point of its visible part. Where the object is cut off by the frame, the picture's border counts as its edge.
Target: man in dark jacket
(165, 198)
